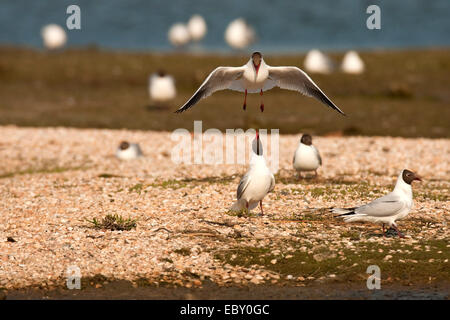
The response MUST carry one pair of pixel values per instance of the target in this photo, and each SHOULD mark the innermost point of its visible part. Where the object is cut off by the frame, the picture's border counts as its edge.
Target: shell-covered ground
(53, 181)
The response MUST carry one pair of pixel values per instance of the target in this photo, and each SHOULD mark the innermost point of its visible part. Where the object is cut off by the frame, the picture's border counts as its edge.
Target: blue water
(285, 26)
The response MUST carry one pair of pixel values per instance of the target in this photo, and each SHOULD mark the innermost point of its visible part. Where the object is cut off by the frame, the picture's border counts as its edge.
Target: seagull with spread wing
(256, 76)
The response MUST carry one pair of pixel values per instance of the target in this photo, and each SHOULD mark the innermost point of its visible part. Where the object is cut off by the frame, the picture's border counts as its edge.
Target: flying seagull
(385, 210)
(256, 183)
(256, 76)
(306, 157)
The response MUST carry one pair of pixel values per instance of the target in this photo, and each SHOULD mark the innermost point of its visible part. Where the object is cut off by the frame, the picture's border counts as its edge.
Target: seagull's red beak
(256, 67)
(257, 142)
(417, 177)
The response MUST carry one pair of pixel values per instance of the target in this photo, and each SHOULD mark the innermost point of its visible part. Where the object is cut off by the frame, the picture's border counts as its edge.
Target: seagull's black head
(161, 73)
(409, 176)
(124, 145)
(256, 58)
(306, 139)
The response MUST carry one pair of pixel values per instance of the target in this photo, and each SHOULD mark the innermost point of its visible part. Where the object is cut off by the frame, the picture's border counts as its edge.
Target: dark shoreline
(122, 289)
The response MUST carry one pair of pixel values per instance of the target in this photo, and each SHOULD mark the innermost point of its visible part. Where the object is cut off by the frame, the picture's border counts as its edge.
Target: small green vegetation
(177, 184)
(45, 169)
(416, 263)
(169, 184)
(434, 196)
(183, 251)
(136, 188)
(317, 192)
(108, 175)
(216, 180)
(114, 222)
(353, 235)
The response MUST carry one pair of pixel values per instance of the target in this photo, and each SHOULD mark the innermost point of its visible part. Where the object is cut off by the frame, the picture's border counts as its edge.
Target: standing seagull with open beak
(256, 183)
(256, 76)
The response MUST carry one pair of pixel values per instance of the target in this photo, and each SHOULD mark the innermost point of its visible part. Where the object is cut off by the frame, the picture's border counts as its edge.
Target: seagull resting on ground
(256, 76)
(127, 151)
(306, 157)
(161, 87)
(385, 210)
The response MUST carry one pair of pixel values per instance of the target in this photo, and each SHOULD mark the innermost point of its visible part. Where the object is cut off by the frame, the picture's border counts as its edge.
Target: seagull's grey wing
(139, 150)
(243, 184)
(386, 206)
(293, 78)
(272, 183)
(318, 155)
(220, 79)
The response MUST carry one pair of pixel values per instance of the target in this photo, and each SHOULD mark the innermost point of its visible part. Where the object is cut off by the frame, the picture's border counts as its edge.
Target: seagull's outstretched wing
(220, 79)
(293, 78)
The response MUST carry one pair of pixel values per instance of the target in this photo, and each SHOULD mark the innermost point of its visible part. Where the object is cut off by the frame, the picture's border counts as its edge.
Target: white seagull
(256, 183)
(385, 210)
(306, 157)
(256, 76)
(54, 36)
(352, 63)
(239, 34)
(197, 27)
(127, 151)
(318, 62)
(179, 35)
(161, 87)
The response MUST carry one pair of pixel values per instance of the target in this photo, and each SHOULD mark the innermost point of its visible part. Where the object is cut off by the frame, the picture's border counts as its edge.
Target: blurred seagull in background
(239, 34)
(352, 63)
(179, 35)
(127, 151)
(256, 76)
(385, 210)
(54, 36)
(306, 157)
(197, 27)
(256, 183)
(318, 62)
(161, 87)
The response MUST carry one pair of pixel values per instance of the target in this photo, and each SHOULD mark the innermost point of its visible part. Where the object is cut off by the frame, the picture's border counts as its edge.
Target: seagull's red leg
(262, 103)
(400, 235)
(245, 100)
(384, 234)
(260, 205)
(246, 205)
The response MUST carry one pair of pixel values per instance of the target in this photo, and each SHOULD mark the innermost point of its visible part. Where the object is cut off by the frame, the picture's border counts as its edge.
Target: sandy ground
(55, 179)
